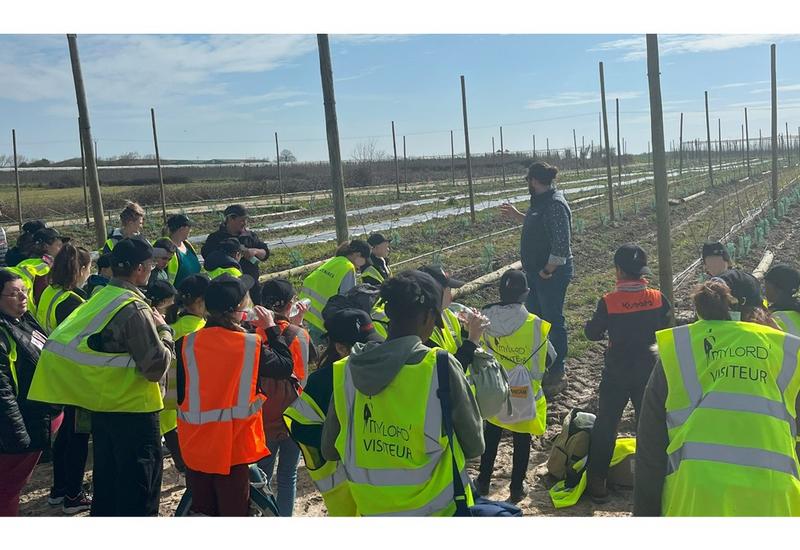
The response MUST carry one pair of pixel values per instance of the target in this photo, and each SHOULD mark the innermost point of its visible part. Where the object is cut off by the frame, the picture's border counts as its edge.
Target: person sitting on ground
(305, 417)
(164, 251)
(22, 249)
(630, 316)
(255, 250)
(131, 219)
(452, 336)
(218, 453)
(518, 340)
(161, 296)
(225, 259)
(102, 277)
(781, 284)
(185, 262)
(376, 270)
(26, 426)
(335, 276)
(716, 433)
(385, 419)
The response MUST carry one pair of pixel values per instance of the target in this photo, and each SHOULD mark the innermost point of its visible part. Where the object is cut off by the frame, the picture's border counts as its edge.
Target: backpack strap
(443, 375)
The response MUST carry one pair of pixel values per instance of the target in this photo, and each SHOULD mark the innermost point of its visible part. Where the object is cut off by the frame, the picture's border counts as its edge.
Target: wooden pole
(158, 163)
(503, 157)
(405, 165)
(575, 142)
(760, 147)
(788, 147)
(660, 169)
(548, 148)
(534, 146)
(494, 160)
(774, 129)
(619, 150)
(88, 142)
(608, 145)
(719, 142)
(396, 165)
(83, 175)
(466, 145)
(16, 178)
(708, 145)
(334, 151)
(747, 142)
(452, 159)
(278, 161)
(680, 149)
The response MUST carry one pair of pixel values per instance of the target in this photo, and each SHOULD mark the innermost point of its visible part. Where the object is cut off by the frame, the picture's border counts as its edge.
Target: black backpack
(361, 297)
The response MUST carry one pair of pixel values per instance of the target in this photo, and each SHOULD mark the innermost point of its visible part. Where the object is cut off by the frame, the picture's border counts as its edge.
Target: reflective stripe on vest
(373, 273)
(789, 321)
(12, 358)
(168, 418)
(51, 298)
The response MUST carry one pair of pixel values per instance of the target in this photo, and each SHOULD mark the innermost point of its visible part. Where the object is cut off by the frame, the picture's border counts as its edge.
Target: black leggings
(70, 450)
(522, 449)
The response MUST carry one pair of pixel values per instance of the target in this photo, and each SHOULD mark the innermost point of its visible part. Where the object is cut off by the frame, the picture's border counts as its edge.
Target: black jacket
(69, 305)
(24, 424)
(219, 259)
(247, 238)
(545, 231)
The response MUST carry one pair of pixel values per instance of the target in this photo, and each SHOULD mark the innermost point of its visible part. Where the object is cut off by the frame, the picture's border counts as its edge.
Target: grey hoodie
(374, 365)
(506, 319)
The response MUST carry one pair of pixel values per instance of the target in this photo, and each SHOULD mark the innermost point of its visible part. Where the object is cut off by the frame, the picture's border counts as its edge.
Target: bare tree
(367, 152)
(288, 156)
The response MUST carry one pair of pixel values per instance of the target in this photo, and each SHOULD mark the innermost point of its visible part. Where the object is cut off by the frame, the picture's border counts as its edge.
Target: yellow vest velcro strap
(122, 360)
(734, 402)
(222, 415)
(728, 454)
(442, 501)
(329, 483)
(390, 476)
(243, 409)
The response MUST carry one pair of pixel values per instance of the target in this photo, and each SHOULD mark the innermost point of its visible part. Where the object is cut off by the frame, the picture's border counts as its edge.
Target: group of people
(369, 374)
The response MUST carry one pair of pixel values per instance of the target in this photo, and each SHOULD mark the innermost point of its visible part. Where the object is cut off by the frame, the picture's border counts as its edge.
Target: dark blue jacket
(546, 231)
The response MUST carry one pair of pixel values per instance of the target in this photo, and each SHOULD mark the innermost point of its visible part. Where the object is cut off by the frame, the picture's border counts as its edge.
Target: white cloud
(296, 103)
(786, 88)
(366, 72)
(567, 99)
(635, 48)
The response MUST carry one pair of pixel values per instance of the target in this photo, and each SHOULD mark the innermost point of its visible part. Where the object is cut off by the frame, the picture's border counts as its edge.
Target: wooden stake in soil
(747, 142)
(158, 163)
(16, 178)
(788, 147)
(88, 143)
(659, 169)
(396, 165)
(503, 157)
(719, 142)
(452, 159)
(83, 174)
(405, 166)
(575, 142)
(619, 151)
(534, 146)
(774, 129)
(278, 161)
(494, 160)
(708, 145)
(680, 150)
(548, 148)
(466, 145)
(334, 151)
(608, 145)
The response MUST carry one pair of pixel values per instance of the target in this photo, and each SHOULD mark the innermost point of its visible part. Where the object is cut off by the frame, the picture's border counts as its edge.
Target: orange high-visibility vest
(219, 420)
(299, 348)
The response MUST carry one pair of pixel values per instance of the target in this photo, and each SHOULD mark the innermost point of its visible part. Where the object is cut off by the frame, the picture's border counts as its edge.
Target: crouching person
(220, 427)
(385, 419)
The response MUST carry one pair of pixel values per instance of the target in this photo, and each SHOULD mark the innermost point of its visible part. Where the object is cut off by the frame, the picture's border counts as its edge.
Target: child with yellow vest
(781, 284)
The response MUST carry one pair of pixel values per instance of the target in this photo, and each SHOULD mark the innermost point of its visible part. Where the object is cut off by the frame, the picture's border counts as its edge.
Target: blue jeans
(287, 454)
(546, 300)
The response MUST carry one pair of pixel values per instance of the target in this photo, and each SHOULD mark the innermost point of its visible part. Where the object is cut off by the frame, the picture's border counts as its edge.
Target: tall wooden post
(334, 151)
(719, 142)
(278, 162)
(575, 143)
(466, 145)
(760, 147)
(534, 146)
(158, 163)
(680, 149)
(747, 142)
(88, 143)
(608, 146)
(788, 147)
(83, 175)
(16, 178)
(708, 145)
(619, 150)
(452, 159)
(548, 147)
(396, 165)
(405, 165)
(659, 169)
(774, 129)
(502, 158)
(494, 160)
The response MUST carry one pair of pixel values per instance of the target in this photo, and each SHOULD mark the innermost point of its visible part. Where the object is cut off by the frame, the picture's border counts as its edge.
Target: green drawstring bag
(489, 381)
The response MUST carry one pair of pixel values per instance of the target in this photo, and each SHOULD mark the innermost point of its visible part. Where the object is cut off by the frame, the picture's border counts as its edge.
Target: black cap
(348, 326)
(715, 249)
(277, 293)
(237, 210)
(431, 296)
(33, 226)
(440, 276)
(160, 290)
(376, 238)
(164, 248)
(194, 285)
(104, 261)
(176, 221)
(131, 251)
(744, 287)
(785, 277)
(48, 235)
(231, 246)
(513, 287)
(632, 259)
(226, 292)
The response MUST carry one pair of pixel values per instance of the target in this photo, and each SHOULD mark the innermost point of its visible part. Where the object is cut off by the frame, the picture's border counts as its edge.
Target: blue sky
(224, 96)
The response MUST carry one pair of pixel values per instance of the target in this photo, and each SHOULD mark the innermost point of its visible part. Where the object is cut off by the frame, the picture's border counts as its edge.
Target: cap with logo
(130, 252)
(714, 249)
(377, 238)
(348, 326)
(277, 293)
(226, 292)
(632, 259)
(48, 235)
(513, 287)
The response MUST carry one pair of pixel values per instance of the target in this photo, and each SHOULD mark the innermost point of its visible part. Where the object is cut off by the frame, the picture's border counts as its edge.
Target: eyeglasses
(16, 294)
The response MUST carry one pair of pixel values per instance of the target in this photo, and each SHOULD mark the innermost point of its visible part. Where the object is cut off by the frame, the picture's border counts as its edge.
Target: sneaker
(80, 503)
(55, 498)
(597, 490)
(518, 493)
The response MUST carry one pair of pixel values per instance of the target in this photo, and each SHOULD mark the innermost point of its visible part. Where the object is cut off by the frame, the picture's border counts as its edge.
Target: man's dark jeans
(546, 300)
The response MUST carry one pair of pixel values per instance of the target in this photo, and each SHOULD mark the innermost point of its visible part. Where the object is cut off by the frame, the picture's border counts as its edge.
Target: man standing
(109, 360)
(255, 250)
(547, 260)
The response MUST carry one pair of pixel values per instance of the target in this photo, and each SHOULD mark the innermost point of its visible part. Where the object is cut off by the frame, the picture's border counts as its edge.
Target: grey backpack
(490, 381)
